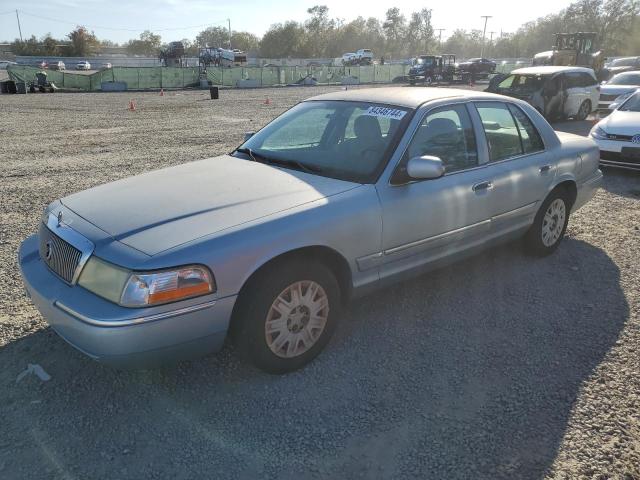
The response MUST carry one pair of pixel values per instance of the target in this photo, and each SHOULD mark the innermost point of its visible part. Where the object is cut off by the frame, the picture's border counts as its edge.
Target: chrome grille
(60, 256)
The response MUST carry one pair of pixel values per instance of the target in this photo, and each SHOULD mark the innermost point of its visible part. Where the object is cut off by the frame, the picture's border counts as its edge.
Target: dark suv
(478, 66)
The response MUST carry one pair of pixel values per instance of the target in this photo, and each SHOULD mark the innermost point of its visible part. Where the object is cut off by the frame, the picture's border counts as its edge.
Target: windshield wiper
(295, 164)
(246, 151)
(258, 157)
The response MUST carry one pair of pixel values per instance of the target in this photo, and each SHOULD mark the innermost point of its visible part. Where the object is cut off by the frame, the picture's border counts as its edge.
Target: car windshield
(632, 104)
(522, 83)
(625, 79)
(345, 140)
(425, 61)
(624, 62)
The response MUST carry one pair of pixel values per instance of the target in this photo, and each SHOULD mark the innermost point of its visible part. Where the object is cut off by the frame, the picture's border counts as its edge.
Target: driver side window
(446, 133)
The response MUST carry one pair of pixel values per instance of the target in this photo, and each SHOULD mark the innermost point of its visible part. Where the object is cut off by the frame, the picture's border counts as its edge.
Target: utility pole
(439, 30)
(19, 28)
(491, 41)
(484, 32)
(229, 20)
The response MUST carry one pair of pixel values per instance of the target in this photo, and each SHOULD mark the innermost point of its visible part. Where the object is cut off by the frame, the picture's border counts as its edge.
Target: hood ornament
(59, 217)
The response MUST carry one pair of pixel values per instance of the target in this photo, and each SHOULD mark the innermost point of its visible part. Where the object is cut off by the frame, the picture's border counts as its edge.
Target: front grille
(620, 157)
(622, 138)
(60, 256)
(608, 98)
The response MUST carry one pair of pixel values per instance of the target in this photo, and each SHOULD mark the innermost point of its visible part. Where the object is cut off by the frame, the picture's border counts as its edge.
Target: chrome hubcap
(553, 222)
(296, 319)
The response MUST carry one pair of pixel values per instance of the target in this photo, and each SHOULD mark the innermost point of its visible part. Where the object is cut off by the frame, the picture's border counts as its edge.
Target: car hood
(162, 209)
(615, 70)
(617, 89)
(622, 123)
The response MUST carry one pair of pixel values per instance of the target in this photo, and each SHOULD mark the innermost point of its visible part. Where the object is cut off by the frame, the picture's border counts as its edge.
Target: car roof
(404, 96)
(550, 70)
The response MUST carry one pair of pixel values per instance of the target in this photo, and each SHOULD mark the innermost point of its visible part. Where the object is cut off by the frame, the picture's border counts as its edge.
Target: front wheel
(287, 315)
(549, 225)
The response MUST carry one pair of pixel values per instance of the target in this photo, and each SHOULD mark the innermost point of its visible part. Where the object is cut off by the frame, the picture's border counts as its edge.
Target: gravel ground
(502, 366)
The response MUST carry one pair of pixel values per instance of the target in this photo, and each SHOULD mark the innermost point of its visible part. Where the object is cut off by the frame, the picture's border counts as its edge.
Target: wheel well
(569, 187)
(325, 255)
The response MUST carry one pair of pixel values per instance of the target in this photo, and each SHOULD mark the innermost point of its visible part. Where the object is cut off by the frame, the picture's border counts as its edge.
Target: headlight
(598, 133)
(166, 286)
(142, 289)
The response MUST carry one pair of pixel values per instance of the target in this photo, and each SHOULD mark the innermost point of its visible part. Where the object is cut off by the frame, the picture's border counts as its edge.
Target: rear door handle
(545, 168)
(478, 187)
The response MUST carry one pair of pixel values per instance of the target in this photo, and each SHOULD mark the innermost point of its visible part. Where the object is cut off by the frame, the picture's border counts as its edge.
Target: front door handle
(545, 168)
(478, 187)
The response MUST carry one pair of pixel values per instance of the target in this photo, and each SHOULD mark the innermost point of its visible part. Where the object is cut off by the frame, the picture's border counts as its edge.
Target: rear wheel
(584, 110)
(549, 225)
(287, 315)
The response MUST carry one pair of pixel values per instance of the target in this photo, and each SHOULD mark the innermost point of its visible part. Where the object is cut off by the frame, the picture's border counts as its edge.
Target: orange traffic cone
(132, 105)
(161, 92)
(267, 101)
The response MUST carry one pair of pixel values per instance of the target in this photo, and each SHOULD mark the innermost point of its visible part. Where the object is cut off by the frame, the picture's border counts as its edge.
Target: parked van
(558, 93)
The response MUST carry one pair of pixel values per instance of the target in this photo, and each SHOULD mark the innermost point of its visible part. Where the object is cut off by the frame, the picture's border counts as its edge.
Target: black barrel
(214, 93)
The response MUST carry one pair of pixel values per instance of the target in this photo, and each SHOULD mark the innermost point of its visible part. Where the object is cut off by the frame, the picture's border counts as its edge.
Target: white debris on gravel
(34, 369)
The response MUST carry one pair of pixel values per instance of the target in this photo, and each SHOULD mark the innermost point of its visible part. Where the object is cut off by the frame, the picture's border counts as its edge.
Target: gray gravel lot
(503, 366)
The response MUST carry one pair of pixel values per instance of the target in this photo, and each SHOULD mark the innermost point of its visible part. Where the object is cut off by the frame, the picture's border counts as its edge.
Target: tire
(256, 311)
(412, 82)
(583, 111)
(428, 81)
(544, 236)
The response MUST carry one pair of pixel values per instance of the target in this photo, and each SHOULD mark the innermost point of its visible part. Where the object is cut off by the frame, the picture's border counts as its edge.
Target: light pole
(19, 28)
(229, 20)
(484, 32)
(491, 40)
(439, 30)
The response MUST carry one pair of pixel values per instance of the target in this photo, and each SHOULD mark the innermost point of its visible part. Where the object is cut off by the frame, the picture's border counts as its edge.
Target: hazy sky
(177, 19)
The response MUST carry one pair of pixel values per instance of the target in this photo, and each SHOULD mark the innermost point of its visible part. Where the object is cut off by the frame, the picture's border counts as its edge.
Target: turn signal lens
(144, 289)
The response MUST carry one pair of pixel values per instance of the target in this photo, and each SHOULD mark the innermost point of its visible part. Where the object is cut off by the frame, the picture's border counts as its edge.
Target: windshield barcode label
(386, 112)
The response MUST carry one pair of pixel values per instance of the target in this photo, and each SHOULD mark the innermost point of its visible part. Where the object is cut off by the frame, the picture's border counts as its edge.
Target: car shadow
(467, 372)
(616, 181)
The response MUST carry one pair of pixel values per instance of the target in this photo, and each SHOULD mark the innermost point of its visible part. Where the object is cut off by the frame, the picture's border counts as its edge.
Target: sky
(120, 20)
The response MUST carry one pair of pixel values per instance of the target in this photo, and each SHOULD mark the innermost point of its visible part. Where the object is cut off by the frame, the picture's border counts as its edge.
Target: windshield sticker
(386, 112)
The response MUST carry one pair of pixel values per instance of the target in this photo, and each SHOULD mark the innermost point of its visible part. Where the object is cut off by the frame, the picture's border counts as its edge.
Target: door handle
(478, 187)
(545, 168)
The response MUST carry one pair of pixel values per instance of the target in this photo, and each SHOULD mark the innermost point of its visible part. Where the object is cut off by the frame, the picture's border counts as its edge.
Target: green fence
(150, 78)
(270, 76)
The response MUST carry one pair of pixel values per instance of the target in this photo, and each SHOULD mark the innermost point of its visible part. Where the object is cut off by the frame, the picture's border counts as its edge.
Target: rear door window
(503, 137)
(531, 139)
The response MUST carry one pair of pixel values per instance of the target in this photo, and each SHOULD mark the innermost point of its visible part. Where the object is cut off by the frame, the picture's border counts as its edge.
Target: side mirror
(248, 135)
(426, 167)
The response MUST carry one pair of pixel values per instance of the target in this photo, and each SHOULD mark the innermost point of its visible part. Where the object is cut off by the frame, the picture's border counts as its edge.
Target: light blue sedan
(342, 194)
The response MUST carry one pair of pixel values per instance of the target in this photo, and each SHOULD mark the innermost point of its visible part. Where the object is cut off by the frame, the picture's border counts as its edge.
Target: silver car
(342, 194)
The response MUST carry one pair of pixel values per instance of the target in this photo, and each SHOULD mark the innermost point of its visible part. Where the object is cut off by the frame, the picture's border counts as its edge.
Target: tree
(213, 37)
(148, 44)
(83, 42)
(419, 34)
(394, 28)
(284, 40)
(320, 29)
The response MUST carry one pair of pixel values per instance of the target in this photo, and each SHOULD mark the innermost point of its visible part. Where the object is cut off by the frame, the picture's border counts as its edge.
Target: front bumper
(118, 336)
(611, 154)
